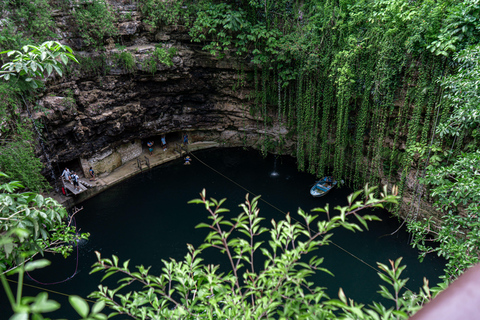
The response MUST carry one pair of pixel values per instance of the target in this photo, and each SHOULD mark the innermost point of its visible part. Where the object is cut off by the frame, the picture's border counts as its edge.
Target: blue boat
(323, 186)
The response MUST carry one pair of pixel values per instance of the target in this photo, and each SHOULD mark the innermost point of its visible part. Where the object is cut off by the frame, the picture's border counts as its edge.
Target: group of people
(73, 178)
(151, 143)
(164, 143)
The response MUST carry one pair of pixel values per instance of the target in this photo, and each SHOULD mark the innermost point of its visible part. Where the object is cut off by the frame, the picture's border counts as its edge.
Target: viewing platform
(142, 163)
(83, 185)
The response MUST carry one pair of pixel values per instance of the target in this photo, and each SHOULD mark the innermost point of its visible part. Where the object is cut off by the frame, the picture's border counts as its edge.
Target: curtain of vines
(359, 100)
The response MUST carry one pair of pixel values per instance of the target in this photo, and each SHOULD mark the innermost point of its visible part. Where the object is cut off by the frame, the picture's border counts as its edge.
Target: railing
(147, 162)
(140, 163)
(180, 148)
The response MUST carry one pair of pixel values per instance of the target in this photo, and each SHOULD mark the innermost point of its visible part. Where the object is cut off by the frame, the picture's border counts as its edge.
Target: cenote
(147, 219)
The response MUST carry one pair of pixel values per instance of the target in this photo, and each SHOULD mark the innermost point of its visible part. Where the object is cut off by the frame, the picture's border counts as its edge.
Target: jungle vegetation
(377, 91)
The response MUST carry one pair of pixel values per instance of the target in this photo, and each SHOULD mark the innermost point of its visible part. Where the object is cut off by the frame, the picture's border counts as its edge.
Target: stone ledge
(127, 170)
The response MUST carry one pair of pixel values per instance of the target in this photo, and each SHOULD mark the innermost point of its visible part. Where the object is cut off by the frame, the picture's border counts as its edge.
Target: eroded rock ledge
(90, 116)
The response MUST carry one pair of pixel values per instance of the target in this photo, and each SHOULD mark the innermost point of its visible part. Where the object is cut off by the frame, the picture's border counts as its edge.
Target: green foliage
(9, 106)
(18, 160)
(23, 73)
(95, 21)
(30, 224)
(17, 150)
(93, 65)
(461, 95)
(159, 55)
(33, 63)
(157, 13)
(10, 37)
(452, 174)
(461, 28)
(23, 306)
(190, 289)
(164, 56)
(127, 60)
(83, 309)
(455, 189)
(33, 19)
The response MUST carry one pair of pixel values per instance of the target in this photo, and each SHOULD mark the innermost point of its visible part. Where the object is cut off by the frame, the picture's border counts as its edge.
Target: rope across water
(279, 210)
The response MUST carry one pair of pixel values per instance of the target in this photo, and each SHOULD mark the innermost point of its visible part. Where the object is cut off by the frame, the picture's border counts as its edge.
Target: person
(185, 139)
(164, 143)
(75, 181)
(66, 174)
(92, 174)
(187, 160)
(150, 147)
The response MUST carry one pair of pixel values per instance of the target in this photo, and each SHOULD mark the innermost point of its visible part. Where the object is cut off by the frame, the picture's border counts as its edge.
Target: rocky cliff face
(102, 113)
(90, 113)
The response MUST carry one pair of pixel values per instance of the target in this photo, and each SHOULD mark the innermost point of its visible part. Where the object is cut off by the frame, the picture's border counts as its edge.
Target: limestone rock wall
(89, 114)
(111, 158)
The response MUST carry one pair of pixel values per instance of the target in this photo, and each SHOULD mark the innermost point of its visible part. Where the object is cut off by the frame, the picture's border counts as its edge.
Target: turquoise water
(147, 219)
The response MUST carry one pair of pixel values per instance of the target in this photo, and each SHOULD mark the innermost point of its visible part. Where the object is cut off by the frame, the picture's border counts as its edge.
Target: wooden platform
(70, 189)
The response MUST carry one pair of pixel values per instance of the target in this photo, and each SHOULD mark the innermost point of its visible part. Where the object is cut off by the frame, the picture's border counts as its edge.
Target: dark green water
(147, 218)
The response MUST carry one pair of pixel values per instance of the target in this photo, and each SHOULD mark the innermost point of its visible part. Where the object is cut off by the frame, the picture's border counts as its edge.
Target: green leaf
(98, 306)
(80, 305)
(49, 69)
(64, 58)
(37, 264)
(19, 316)
(336, 303)
(202, 225)
(43, 305)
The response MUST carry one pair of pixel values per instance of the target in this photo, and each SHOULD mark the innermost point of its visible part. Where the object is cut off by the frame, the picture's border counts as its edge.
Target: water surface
(147, 219)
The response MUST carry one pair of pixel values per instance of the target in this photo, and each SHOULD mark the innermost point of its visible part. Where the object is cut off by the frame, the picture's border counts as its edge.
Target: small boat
(323, 186)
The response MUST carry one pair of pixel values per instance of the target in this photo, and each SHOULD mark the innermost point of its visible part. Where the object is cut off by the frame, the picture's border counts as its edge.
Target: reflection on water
(147, 219)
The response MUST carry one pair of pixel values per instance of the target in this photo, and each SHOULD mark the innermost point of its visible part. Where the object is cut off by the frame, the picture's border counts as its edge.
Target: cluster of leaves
(165, 56)
(23, 307)
(159, 55)
(32, 63)
(457, 240)
(460, 29)
(10, 37)
(127, 60)
(158, 13)
(95, 20)
(224, 27)
(26, 20)
(461, 95)
(454, 180)
(94, 65)
(30, 224)
(18, 160)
